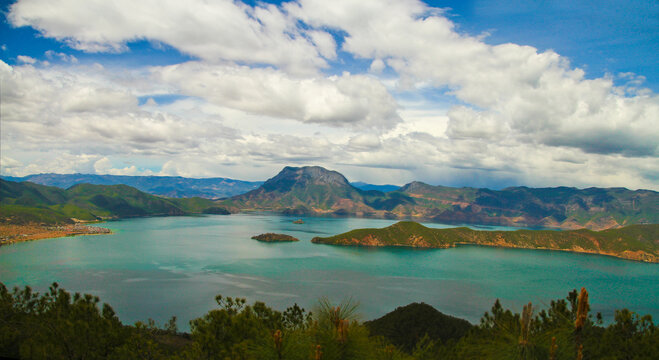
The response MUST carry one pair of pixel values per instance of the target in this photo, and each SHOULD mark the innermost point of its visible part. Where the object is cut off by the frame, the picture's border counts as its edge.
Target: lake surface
(159, 267)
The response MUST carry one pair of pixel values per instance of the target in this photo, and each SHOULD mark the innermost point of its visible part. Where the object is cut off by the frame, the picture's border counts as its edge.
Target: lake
(164, 266)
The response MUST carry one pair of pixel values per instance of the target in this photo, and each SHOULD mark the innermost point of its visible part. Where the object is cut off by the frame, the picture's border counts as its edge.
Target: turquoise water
(159, 267)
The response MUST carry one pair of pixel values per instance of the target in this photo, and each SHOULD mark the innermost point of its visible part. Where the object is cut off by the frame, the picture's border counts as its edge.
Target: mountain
(560, 207)
(407, 325)
(170, 186)
(383, 188)
(635, 242)
(317, 191)
(307, 190)
(25, 202)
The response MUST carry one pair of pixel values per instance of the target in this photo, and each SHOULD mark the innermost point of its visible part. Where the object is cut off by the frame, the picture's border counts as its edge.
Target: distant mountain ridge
(26, 202)
(383, 188)
(170, 186)
(318, 191)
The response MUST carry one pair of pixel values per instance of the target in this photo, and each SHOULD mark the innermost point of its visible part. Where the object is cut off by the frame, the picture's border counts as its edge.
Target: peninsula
(10, 233)
(635, 242)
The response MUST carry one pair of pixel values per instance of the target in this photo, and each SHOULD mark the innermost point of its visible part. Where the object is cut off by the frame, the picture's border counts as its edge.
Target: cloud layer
(263, 92)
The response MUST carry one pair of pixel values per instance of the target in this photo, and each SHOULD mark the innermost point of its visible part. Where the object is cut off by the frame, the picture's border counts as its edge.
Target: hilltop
(635, 242)
(304, 190)
(314, 190)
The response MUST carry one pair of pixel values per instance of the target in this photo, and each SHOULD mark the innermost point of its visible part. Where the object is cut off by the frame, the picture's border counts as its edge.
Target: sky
(476, 93)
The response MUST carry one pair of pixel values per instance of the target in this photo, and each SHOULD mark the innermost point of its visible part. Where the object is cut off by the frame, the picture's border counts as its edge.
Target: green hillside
(26, 202)
(635, 242)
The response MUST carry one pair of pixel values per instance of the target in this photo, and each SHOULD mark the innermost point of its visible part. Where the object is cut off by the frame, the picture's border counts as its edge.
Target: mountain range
(170, 186)
(26, 202)
(313, 190)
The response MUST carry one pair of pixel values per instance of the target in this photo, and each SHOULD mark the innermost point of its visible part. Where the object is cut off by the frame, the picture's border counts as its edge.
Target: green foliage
(58, 325)
(407, 324)
(216, 210)
(23, 203)
(23, 215)
(272, 237)
(632, 242)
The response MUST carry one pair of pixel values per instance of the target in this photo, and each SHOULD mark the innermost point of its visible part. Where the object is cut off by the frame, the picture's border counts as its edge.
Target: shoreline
(11, 234)
(457, 244)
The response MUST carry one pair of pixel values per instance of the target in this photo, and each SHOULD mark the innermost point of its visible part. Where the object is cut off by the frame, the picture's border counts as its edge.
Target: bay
(160, 267)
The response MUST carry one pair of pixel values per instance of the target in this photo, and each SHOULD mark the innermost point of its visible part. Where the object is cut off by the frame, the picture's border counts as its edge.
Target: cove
(160, 267)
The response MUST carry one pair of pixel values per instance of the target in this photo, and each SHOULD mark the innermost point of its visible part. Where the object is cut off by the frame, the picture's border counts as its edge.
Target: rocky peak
(291, 176)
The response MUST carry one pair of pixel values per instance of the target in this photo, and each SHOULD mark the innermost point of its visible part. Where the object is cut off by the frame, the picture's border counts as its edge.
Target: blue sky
(462, 93)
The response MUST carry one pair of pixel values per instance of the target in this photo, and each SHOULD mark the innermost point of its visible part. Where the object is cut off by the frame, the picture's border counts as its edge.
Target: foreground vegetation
(635, 242)
(58, 325)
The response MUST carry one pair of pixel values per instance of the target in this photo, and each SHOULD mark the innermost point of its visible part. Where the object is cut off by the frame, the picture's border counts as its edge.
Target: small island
(298, 221)
(272, 237)
(634, 242)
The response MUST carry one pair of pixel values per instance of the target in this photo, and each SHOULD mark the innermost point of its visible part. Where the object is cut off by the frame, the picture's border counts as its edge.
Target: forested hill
(26, 202)
(314, 190)
(170, 186)
(635, 242)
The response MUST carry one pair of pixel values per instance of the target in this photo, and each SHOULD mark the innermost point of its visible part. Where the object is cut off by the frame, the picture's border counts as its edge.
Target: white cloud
(104, 166)
(59, 110)
(465, 122)
(50, 54)
(212, 31)
(377, 66)
(26, 59)
(255, 101)
(535, 96)
(9, 164)
(364, 142)
(336, 100)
